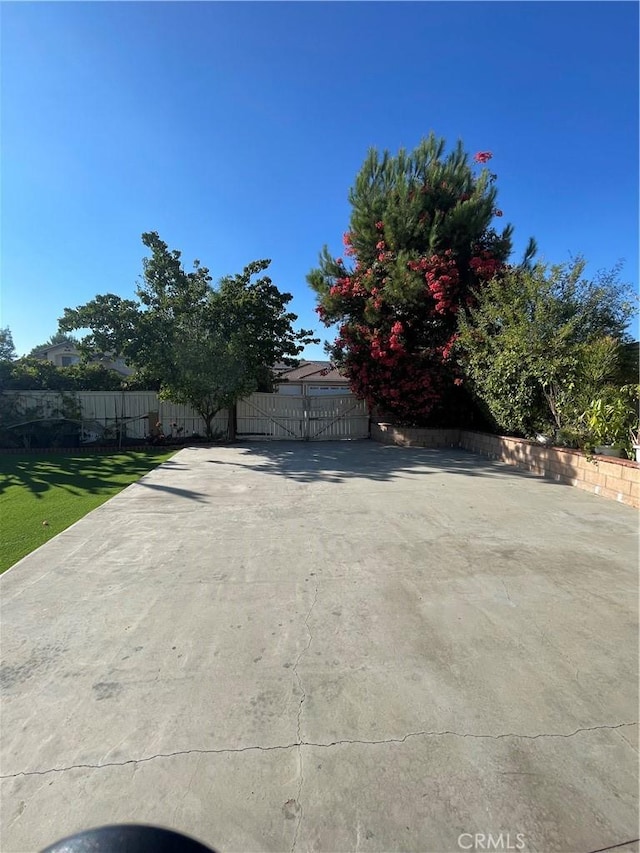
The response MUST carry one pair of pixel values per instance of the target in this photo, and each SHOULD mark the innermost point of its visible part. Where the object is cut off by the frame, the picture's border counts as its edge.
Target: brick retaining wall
(616, 479)
(413, 437)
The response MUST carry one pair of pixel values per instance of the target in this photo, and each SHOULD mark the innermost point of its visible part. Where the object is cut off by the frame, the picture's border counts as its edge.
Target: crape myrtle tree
(202, 346)
(420, 241)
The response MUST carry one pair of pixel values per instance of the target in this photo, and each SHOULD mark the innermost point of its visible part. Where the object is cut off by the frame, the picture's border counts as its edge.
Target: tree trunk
(207, 418)
(233, 422)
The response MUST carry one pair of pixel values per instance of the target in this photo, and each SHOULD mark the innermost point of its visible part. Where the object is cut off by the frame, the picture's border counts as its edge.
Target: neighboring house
(65, 354)
(311, 378)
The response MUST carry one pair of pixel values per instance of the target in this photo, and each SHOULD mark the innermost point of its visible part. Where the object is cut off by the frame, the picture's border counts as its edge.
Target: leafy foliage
(30, 374)
(610, 418)
(421, 238)
(539, 343)
(201, 346)
(7, 349)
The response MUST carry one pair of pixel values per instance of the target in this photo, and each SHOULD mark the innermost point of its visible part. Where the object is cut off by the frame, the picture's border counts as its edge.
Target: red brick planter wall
(413, 437)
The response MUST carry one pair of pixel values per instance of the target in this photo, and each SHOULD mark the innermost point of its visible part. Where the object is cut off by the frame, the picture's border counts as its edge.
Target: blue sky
(236, 129)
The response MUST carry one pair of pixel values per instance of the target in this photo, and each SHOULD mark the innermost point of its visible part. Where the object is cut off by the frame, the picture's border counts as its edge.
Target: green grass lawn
(59, 489)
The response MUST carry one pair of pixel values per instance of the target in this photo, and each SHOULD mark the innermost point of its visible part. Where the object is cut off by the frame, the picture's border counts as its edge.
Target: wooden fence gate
(302, 418)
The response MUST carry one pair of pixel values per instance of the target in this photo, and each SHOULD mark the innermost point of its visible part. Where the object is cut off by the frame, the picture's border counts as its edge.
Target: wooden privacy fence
(304, 418)
(134, 414)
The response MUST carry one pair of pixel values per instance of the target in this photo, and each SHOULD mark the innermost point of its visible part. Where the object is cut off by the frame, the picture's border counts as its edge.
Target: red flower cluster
(347, 239)
(483, 156)
(421, 265)
(447, 349)
(442, 279)
(379, 225)
(348, 287)
(484, 265)
(384, 372)
(409, 383)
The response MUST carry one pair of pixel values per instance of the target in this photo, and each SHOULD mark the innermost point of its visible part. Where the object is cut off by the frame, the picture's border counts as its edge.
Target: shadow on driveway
(336, 462)
(190, 494)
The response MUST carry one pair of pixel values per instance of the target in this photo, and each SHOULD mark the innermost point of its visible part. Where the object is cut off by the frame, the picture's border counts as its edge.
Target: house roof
(65, 346)
(315, 371)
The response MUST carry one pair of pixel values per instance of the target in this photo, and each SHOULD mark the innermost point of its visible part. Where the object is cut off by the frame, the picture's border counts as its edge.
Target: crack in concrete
(470, 735)
(137, 761)
(299, 720)
(300, 744)
(615, 846)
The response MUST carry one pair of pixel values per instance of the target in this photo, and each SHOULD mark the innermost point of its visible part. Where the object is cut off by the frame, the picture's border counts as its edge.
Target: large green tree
(539, 343)
(206, 347)
(421, 237)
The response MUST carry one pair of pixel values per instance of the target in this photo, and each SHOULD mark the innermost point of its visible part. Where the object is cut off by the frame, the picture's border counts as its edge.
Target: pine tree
(7, 348)
(420, 240)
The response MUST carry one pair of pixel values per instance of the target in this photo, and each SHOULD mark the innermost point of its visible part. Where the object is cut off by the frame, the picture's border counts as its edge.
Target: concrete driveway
(328, 647)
